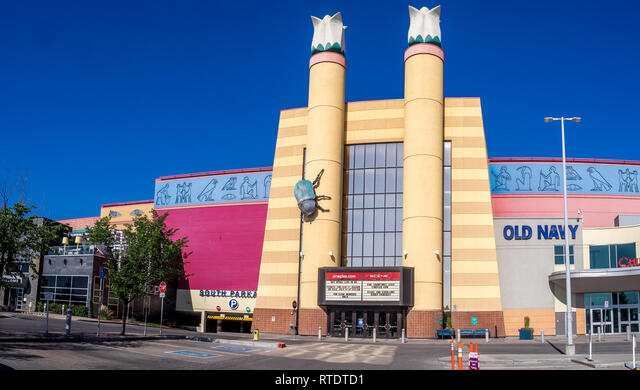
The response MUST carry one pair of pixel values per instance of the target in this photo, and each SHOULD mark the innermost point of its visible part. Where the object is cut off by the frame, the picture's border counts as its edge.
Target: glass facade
(446, 228)
(65, 289)
(558, 254)
(612, 312)
(608, 256)
(372, 205)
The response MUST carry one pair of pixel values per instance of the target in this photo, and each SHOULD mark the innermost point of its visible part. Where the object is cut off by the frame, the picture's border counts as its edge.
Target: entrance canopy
(599, 280)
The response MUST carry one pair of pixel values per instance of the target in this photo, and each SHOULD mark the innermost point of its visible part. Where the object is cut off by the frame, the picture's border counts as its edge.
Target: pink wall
(226, 242)
(597, 210)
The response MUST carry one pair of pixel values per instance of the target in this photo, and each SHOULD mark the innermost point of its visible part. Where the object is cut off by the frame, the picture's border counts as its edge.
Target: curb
(594, 364)
(254, 344)
(77, 338)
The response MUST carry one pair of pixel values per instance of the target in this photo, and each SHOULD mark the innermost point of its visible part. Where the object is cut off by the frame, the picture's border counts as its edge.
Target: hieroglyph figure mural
(424, 25)
(207, 194)
(162, 196)
(524, 182)
(501, 179)
(628, 180)
(183, 193)
(550, 181)
(249, 190)
(599, 182)
(328, 34)
(267, 186)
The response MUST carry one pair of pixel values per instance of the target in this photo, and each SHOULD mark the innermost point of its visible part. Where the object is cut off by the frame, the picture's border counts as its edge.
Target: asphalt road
(302, 353)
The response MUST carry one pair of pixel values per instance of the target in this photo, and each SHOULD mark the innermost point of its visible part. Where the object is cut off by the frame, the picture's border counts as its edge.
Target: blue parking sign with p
(101, 273)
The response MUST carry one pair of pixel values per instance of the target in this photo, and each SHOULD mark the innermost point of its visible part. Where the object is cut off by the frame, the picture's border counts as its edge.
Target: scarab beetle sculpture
(305, 194)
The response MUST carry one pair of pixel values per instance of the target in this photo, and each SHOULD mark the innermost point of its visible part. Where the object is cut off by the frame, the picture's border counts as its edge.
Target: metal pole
(99, 306)
(590, 341)
(375, 331)
(319, 332)
(161, 312)
(145, 315)
(403, 336)
(633, 348)
(46, 326)
(346, 334)
(486, 335)
(628, 332)
(567, 262)
(67, 326)
(542, 336)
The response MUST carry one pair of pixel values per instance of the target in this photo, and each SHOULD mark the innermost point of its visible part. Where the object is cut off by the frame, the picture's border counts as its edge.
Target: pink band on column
(424, 48)
(328, 56)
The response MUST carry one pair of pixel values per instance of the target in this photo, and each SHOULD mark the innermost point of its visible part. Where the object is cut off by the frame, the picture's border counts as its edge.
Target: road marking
(234, 349)
(125, 349)
(193, 354)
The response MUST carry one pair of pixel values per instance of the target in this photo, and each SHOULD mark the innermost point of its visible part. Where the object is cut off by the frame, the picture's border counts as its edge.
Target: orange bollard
(460, 356)
(453, 359)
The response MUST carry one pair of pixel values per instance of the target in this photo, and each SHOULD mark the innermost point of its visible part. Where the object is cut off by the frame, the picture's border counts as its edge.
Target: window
(66, 289)
(372, 205)
(558, 254)
(608, 256)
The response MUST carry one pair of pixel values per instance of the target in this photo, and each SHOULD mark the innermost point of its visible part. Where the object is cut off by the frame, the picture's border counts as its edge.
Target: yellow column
(423, 166)
(325, 150)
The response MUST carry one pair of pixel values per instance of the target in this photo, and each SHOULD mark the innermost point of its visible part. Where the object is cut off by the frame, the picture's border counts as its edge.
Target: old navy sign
(547, 232)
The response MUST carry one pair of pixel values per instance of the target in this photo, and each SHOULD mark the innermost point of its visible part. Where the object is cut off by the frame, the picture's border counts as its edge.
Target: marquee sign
(365, 286)
(547, 232)
(626, 262)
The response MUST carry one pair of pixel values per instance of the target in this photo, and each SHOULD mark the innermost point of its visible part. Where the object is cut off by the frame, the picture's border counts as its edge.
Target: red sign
(294, 304)
(344, 276)
(218, 308)
(162, 287)
(626, 262)
(382, 276)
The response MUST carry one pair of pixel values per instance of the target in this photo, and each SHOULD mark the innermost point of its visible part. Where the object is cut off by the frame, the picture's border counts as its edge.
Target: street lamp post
(571, 349)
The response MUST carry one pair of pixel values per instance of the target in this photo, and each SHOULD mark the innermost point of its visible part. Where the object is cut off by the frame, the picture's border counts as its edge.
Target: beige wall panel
(283, 224)
(476, 291)
(475, 280)
(277, 291)
(280, 235)
(471, 208)
(279, 279)
(475, 254)
(454, 133)
(470, 163)
(469, 174)
(464, 121)
(275, 302)
(287, 151)
(280, 257)
(474, 267)
(471, 196)
(279, 268)
(377, 138)
(283, 202)
(295, 131)
(290, 170)
(479, 153)
(460, 220)
(477, 304)
(291, 141)
(465, 141)
(473, 243)
(287, 161)
(472, 231)
(374, 124)
(281, 192)
(469, 185)
(292, 122)
(367, 115)
(293, 113)
(280, 246)
(462, 111)
(283, 213)
(462, 102)
(538, 319)
(375, 105)
(422, 193)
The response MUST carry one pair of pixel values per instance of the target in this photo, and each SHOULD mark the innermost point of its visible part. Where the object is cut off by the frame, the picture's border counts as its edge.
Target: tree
(22, 238)
(151, 255)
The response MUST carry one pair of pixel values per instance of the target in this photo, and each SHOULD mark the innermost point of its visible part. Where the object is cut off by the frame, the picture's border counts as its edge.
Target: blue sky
(97, 99)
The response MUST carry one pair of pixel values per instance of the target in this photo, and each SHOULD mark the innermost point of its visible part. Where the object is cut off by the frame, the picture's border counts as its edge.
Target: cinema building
(385, 214)
(413, 218)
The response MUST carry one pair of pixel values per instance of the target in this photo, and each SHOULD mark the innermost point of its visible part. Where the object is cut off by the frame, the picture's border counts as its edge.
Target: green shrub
(526, 322)
(79, 310)
(106, 313)
(55, 308)
(40, 306)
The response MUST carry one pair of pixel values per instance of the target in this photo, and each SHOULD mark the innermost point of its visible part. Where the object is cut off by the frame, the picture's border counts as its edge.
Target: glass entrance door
(601, 318)
(361, 323)
(629, 318)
